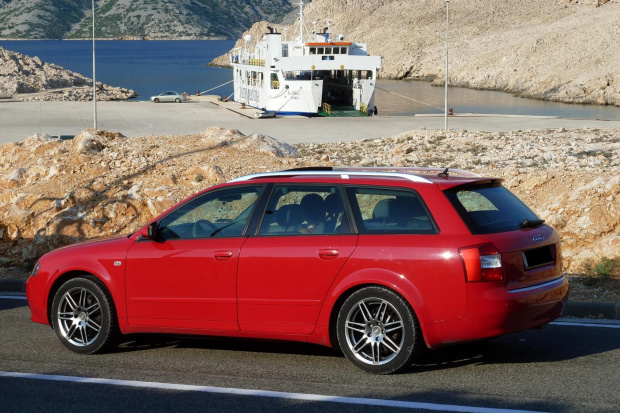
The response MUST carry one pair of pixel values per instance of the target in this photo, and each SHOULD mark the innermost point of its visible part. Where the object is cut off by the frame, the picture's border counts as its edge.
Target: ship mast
(301, 21)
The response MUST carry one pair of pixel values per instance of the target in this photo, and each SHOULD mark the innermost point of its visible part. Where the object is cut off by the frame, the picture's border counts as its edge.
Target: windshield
(490, 209)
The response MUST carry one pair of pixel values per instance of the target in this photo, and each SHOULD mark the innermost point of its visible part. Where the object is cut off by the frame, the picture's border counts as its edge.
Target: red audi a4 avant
(380, 262)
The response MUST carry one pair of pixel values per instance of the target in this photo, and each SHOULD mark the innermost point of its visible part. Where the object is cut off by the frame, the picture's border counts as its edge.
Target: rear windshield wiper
(526, 223)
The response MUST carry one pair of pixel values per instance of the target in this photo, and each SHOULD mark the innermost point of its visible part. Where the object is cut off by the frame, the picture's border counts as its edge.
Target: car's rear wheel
(177, 100)
(83, 316)
(378, 331)
(156, 100)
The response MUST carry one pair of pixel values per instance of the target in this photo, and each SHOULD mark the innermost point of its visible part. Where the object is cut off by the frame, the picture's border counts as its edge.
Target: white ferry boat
(320, 75)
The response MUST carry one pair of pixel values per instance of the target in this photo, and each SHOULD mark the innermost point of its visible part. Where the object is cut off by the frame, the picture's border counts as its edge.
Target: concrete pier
(19, 120)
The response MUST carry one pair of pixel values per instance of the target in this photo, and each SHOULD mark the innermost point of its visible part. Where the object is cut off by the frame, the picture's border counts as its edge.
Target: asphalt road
(19, 120)
(561, 368)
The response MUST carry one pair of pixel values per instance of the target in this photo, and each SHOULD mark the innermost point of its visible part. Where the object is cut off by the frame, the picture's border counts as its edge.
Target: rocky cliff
(559, 50)
(150, 19)
(55, 192)
(28, 78)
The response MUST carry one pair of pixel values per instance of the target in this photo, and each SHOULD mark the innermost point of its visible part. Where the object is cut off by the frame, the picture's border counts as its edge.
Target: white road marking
(570, 323)
(264, 393)
(13, 297)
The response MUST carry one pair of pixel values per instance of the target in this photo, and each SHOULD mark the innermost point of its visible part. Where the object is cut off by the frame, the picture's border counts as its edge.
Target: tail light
(482, 263)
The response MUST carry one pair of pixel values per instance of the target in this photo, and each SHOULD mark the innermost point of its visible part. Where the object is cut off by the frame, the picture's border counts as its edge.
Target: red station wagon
(379, 262)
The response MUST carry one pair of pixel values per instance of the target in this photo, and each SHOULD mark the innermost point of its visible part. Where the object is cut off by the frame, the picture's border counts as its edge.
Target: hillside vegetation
(154, 19)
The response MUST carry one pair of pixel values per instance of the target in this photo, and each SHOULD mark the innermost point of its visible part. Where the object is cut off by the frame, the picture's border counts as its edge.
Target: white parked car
(169, 97)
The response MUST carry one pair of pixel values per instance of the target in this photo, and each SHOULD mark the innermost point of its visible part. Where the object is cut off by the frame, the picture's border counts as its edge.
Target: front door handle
(328, 254)
(222, 255)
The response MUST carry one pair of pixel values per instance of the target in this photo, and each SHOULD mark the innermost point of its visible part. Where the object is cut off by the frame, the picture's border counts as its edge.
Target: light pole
(94, 80)
(445, 116)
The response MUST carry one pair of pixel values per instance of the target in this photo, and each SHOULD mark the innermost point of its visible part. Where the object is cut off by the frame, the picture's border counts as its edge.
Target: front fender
(104, 260)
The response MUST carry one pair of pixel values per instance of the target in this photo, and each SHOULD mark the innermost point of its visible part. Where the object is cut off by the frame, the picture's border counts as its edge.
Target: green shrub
(605, 267)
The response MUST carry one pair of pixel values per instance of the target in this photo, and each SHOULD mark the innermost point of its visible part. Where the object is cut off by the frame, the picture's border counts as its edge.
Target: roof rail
(409, 169)
(345, 172)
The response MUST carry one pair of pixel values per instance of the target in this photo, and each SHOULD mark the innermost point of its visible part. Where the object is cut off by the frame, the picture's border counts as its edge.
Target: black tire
(83, 316)
(177, 100)
(378, 331)
(156, 100)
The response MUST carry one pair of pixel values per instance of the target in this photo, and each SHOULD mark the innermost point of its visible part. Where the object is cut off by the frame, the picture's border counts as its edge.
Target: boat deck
(342, 112)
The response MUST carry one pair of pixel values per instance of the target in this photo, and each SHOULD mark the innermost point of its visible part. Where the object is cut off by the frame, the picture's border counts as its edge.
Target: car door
(186, 277)
(285, 272)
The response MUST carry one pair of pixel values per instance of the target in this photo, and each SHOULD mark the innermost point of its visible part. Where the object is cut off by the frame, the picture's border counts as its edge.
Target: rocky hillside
(153, 19)
(560, 50)
(56, 192)
(28, 78)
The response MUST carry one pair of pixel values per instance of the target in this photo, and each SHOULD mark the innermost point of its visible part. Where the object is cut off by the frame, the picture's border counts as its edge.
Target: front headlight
(35, 270)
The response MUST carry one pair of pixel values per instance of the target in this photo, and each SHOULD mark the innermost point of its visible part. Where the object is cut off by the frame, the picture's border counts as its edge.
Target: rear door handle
(222, 255)
(328, 254)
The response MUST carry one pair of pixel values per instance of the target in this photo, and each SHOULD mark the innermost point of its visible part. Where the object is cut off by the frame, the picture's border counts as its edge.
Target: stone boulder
(264, 143)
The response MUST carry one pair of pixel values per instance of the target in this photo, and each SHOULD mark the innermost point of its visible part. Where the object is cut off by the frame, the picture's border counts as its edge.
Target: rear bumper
(493, 311)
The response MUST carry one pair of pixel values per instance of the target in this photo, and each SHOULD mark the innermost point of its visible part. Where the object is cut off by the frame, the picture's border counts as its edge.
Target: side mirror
(152, 231)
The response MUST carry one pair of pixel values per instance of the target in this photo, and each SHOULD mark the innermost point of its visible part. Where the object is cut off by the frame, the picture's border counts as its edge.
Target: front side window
(223, 213)
(294, 210)
(390, 211)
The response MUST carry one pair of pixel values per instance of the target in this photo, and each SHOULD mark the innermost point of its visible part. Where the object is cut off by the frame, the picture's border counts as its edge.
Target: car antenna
(444, 173)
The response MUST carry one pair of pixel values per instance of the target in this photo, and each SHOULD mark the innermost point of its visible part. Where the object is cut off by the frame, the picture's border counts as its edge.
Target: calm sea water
(148, 67)
(151, 67)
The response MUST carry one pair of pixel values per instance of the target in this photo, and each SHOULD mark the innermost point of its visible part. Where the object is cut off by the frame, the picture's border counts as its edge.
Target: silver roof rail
(346, 172)
(409, 169)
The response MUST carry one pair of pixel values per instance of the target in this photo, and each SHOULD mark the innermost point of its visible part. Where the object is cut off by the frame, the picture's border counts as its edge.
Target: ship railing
(256, 62)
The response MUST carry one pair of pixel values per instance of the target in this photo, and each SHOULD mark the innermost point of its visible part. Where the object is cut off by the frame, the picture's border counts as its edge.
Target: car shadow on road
(138, 342)
(552, 344)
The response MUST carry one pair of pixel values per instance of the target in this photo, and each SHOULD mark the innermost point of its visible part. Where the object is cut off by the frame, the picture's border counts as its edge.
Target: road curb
(13, 286)
(598, 310)
(610, 311)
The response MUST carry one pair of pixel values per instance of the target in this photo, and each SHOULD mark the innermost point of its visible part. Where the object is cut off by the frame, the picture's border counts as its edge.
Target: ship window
(313, 50)
(328, 57)
(275, 84)
(343, 50)
(336, 50)
(320, 50)
(285, 50)
(328, 50)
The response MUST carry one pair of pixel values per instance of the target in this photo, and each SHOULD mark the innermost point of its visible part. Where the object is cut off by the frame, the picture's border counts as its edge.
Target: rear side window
(389, 211)
(489, 209)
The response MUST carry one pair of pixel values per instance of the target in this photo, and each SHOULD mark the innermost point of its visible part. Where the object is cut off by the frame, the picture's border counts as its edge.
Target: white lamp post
(445, 116)
(94, 80)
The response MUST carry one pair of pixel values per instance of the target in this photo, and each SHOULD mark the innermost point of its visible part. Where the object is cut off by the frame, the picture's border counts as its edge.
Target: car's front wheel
(156, 100)
(177, 100)
(378, 331)
(83, 316)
